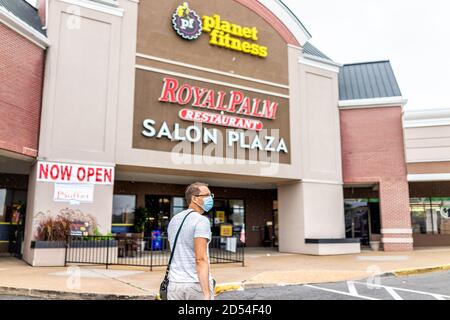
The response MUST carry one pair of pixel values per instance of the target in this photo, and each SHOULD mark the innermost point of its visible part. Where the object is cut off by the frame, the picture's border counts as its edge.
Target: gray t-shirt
(183, 267)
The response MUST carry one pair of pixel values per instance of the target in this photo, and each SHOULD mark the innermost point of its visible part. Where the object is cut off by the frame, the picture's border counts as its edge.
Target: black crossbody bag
(165, 282)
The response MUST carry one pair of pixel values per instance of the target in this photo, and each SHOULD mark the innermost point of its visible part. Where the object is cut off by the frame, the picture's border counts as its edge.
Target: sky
(414, 35)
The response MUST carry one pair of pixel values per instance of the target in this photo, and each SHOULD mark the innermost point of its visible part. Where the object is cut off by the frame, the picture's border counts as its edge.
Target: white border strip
(222, 73)
(105, 7)
(338, 183)
(306, 60)
(397, 240)
(426, 123)
(397, 231)
(428, 177)
(181, 75)
(300, 33)
(22, 28)
(388, 102)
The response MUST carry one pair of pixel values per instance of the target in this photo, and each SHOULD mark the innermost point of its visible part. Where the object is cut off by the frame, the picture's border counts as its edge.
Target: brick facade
(21, 77)
(373, 152)
(258, 203)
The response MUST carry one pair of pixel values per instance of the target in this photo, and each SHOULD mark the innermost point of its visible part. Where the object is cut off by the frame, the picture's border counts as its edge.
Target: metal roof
(368, 80)
(308, 48)
(25, 12)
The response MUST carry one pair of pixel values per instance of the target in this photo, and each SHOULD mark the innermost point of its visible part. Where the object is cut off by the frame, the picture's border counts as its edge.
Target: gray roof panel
(308, 48)
(368, 80)
(25, 12)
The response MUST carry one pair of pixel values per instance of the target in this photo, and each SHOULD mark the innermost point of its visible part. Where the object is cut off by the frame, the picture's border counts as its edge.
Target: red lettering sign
(234, 101)
(73, 173)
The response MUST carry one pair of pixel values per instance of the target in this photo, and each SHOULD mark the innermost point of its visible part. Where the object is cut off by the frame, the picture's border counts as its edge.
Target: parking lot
(430, 286)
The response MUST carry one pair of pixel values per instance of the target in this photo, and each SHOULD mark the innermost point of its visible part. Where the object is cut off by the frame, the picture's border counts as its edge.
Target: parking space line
(351, 288)
(340, 292)
(434, 295)
(393, 294)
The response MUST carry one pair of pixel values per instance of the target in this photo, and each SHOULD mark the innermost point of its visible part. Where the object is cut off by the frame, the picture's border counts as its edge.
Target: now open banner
(74, 173)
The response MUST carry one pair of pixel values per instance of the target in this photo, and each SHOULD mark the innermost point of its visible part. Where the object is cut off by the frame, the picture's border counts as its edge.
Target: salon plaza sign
(232, 109)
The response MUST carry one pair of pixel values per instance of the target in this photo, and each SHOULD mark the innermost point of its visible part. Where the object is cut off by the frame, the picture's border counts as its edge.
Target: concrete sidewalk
(263, 267)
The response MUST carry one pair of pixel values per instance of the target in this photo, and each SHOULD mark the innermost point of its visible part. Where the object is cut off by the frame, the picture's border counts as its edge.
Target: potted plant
(141, 216)
(50, 240)
(50, 246)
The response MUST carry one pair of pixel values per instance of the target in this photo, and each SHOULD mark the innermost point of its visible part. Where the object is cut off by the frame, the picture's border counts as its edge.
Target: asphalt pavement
(429, 286)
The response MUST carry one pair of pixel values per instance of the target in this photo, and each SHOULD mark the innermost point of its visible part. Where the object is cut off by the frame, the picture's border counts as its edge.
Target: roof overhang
(427, 118)
(22, 28)
(373, 103)
(288, 18)
(320, 63)
(429, 177)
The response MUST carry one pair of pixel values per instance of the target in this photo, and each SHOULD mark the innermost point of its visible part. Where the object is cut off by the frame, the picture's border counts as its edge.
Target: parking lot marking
(340, 292)
(351, 288)
(393, 294)
(437, 296)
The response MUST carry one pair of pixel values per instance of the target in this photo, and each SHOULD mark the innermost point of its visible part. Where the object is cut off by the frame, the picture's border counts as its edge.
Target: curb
(64, 295)
(414, 271)
(224, 287)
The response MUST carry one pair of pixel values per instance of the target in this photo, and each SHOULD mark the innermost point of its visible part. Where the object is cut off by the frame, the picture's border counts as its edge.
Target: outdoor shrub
(53, 228)
(57, 228)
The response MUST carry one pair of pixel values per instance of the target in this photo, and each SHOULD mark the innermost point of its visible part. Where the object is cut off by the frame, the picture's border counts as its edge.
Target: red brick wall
(21, 76)
(373, 152)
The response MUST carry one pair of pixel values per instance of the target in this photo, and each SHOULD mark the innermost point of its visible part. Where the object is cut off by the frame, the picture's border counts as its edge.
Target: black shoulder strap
(175, 243)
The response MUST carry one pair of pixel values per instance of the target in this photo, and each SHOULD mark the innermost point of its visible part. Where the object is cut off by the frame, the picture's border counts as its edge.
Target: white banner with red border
(74, 173)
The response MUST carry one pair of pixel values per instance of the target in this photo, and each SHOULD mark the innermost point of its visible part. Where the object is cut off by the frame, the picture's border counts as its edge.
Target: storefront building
(142, 98)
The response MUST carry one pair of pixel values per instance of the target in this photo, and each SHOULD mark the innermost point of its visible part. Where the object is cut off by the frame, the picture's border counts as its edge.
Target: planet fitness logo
(187, 22)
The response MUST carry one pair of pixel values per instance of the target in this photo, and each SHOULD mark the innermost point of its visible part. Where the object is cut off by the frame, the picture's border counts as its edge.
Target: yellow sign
(220, 215)
(226, 230)
(225, 34)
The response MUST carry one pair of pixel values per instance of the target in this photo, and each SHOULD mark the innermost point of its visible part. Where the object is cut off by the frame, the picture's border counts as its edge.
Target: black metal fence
(142, 252)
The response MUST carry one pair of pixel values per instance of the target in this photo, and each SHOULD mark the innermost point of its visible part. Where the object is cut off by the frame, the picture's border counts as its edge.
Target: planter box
(48, 253)
(54, 254)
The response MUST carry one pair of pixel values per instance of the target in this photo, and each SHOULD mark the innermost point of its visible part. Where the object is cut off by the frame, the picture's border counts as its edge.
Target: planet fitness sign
(188, 25)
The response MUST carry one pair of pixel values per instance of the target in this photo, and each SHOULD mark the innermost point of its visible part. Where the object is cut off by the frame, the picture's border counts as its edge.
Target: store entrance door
(159, 211)
(12, 221)
(357, 223)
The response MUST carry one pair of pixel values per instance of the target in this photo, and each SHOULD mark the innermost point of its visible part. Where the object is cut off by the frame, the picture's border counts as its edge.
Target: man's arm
(202, 265)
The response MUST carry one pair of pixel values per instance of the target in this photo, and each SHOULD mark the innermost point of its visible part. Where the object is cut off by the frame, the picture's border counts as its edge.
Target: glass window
(178, 205)
(2, 205)
(237, 212)
(123, 209)
(424, 215)
(440, 208)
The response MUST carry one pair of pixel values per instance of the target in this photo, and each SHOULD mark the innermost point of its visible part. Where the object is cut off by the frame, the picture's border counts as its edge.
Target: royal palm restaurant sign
(241, 113)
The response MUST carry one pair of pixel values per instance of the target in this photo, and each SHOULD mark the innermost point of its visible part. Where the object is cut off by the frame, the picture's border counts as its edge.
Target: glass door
(160, 211)
(357, 220)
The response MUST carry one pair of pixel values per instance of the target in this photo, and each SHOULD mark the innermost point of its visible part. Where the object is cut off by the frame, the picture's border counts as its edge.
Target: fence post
(243, 252)
(107, 253)
(65, 253)
(151, 254)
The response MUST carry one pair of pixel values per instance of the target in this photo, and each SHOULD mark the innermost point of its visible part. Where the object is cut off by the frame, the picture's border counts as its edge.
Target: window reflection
(123, 209)
(430, 215)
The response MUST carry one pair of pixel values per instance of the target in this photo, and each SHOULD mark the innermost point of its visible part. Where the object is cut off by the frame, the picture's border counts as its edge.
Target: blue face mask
(208, 203)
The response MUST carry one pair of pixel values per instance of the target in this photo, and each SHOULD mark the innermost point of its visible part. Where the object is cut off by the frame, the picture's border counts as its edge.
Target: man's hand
(201, 260)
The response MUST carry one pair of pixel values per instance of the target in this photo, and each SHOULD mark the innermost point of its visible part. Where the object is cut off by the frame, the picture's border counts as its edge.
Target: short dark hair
(192, 190)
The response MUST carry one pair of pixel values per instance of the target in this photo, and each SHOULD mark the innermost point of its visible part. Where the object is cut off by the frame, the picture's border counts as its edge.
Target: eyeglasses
(205, 195)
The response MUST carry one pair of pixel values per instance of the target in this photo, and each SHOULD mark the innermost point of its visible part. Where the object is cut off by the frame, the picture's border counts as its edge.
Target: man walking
(189, 276)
